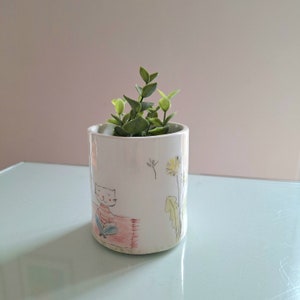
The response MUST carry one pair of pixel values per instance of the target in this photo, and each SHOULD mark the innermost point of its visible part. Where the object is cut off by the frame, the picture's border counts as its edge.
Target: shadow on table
(67, 266)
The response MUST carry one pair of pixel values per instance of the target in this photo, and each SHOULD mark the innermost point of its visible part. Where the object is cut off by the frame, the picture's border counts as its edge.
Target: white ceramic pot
(139, 189)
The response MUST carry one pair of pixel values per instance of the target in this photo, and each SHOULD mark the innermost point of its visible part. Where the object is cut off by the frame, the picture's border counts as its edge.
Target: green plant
(143, 118)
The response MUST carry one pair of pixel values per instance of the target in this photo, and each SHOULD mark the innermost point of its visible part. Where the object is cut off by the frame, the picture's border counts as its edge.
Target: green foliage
(143, 117)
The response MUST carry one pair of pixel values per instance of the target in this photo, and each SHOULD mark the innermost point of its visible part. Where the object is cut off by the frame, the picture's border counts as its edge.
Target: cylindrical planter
(139, 189)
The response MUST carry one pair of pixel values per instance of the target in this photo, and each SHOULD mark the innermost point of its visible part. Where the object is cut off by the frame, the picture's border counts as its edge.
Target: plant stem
(165, 115)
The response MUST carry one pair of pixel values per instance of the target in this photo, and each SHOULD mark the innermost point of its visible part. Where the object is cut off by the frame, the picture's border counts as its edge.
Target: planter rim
(107, 131)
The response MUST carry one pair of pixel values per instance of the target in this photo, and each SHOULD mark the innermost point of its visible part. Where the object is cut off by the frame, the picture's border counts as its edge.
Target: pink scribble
(126, 233)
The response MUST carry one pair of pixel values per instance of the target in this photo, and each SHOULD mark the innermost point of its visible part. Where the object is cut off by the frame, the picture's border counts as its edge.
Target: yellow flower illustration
(174, 203)
(173, 166)
(171, 207)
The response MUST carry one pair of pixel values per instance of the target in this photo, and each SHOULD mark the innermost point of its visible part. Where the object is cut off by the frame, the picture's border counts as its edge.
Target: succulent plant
(144, 118)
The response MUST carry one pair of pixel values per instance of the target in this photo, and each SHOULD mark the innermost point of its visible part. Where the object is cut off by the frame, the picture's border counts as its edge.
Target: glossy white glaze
(139, 188)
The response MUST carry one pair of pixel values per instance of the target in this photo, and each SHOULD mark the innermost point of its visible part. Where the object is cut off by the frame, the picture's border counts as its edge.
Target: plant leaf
(164, 104)
(159, 130)
(139, 89)
(146, 105)
(118, 120)
(155, 122)
(119, 131)
(144, 74)
(149, 89)
(119, 105)
(162, 94)
(152, 114)
(168, 118)
(136, 126)
(113, 121)
(126, 118)
(153, 76)
(135, 105)
(170, 95)
(173, 94)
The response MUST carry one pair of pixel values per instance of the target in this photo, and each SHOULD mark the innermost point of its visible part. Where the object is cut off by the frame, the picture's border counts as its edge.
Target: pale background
(236, 62)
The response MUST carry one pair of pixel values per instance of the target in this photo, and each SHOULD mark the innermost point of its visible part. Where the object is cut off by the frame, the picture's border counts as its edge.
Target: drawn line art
(113, 229)
(152, 164)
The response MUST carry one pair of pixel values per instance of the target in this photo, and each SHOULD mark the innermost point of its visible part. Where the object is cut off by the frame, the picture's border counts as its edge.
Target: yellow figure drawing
(173, 203)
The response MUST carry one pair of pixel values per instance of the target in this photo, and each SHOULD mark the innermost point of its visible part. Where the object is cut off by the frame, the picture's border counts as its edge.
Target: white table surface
(243, 242)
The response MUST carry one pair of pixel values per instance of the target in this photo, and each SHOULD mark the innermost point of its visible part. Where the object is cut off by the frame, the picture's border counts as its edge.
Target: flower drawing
(173, 166)
(173, 205)
(152, 164)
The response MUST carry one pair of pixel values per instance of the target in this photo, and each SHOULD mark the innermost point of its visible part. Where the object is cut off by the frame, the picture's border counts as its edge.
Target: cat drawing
(106, 199)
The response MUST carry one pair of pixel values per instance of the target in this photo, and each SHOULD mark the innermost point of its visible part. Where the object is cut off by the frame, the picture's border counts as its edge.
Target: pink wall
(236, 62)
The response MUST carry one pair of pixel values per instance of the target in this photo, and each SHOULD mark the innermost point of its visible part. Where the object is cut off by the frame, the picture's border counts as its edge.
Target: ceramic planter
(139, 189)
